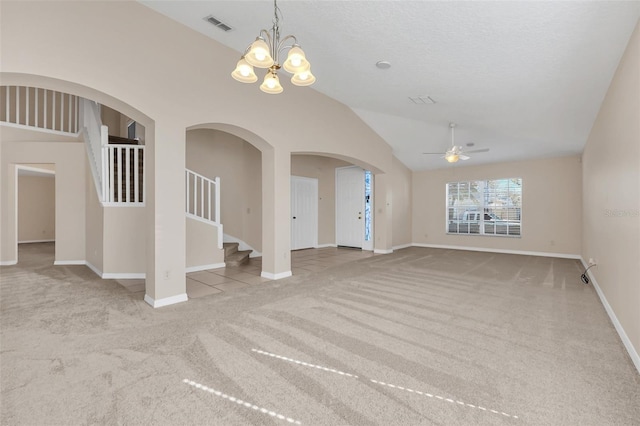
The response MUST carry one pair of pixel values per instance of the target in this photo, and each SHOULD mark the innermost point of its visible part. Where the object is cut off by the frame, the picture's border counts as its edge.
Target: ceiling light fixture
(265, 51)
(452, 155)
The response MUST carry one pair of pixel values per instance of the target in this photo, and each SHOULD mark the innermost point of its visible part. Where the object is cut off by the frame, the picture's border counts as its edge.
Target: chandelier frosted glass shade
(296, 61)
(244, 72)
(304, 78)
(271, 84)
(259, 55)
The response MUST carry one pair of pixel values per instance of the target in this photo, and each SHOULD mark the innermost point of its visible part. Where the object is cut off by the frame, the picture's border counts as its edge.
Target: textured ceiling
(525, 79)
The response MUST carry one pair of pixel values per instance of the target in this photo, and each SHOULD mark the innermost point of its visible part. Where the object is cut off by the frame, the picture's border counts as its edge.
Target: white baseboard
(123, 275)
(159, 303)
(69, 262)
(278, 276)
(382, 251)
(242, 245)
(8, 262)
(635, 358)
(326, 245)
(94, 269)
(490, 250)
(402, 246)
(205, 267)
(36, 241)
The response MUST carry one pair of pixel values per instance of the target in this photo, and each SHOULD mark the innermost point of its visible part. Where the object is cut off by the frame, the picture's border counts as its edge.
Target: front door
(350, 203)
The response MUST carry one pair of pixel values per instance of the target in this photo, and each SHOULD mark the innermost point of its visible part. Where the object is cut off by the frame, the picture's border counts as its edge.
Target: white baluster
(128, 174)
(186, 207)
(111, 174)
(45, 108)
(217, 200)
(195, 195)
(209, 196)
(36, 110)
(17, 105)
(27, 105)
(70, 113)
(77, 114)
(136, 185)
(61, 112)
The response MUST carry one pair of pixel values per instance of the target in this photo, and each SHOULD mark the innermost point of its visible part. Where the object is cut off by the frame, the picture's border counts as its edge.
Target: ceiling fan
(456, 152)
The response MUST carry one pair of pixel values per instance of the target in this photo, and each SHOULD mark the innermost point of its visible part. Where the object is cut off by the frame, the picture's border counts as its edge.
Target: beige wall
(611, 175)
(124, 240)
(115, 121)
(202, 245)
(36, 208)
(214, 153)
(94, 226)
(323, 169)
(69, 160)
(401, 187)
(551, 206)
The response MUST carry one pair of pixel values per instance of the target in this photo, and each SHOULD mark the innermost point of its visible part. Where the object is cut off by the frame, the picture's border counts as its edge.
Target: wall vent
(422, 100)
(218, 23)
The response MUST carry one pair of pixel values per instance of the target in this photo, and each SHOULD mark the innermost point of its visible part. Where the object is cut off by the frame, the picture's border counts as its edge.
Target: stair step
(230, 248)
(237, 258)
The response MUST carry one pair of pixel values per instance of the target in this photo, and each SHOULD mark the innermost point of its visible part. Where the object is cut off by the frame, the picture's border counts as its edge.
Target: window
(131, 130)
(485, 207)
(367, 205)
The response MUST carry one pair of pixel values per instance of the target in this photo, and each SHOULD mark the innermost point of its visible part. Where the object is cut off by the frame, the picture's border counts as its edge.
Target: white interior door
(304, 212)
(350, 206)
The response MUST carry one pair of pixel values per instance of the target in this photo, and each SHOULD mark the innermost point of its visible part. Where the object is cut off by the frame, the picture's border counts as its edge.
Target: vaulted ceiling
(524, 79)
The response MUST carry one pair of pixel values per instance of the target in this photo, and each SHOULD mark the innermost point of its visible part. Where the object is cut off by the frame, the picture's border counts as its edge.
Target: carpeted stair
(233, 256)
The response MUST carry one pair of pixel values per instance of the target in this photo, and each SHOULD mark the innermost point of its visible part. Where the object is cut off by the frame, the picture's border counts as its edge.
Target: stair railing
(203, 200)
(95, 137)
(46, 110)
(124, 178)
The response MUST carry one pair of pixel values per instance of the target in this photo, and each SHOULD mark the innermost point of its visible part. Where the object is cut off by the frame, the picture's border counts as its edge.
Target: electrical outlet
(166, 275)
(592, 261)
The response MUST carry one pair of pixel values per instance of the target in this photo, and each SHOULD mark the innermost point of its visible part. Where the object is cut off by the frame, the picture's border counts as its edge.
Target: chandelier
(265, 52)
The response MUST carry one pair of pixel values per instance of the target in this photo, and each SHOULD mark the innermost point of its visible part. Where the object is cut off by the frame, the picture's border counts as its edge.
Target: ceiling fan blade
(432, 153)
(477, 150)
(463, 157)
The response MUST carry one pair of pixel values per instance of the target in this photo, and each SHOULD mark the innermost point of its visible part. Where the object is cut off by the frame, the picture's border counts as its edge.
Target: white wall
(551, 206)
(611, 206)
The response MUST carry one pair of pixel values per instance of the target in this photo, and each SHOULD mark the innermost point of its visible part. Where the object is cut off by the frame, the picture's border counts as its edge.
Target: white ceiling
(525, 79)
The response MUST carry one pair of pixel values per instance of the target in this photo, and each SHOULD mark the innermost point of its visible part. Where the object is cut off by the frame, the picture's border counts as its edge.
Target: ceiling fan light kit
(456, 152)
(265, 51)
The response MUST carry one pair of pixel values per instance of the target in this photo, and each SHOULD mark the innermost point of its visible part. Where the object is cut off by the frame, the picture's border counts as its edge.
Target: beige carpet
(419, 337)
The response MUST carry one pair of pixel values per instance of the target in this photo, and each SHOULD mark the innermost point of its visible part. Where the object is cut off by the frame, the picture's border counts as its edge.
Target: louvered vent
(422, 100)
(218, 23)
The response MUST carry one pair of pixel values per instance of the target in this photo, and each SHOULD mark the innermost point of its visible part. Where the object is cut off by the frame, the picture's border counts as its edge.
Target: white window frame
(480, 215)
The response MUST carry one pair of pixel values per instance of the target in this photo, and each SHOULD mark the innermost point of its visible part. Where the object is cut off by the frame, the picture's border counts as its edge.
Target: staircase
(233, 257)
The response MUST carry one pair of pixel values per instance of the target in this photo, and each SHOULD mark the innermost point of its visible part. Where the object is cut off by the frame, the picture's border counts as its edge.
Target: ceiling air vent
(218, 23)
(422, 100)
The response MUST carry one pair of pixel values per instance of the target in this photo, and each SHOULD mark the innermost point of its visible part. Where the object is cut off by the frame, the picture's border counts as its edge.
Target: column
(165, 204)
(383, 218)
(276, 212)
